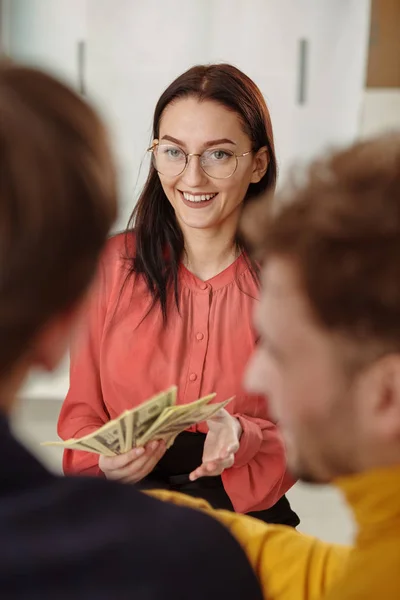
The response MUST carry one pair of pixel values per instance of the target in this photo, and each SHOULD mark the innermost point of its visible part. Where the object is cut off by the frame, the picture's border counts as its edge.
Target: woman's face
(199, 200)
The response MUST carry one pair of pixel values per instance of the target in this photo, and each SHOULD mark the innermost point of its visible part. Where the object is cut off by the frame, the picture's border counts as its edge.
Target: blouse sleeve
(258, 477)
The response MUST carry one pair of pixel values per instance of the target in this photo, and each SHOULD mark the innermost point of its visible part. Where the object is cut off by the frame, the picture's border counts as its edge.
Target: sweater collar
(374, 496)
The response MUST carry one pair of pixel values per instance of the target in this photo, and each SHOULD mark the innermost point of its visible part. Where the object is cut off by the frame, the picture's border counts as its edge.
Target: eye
(171, 152)
(219, 155)
(174, 152)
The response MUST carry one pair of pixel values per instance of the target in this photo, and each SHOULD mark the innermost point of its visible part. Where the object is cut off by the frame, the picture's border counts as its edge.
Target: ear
(381, 396)
(260, 164)
(51, 343)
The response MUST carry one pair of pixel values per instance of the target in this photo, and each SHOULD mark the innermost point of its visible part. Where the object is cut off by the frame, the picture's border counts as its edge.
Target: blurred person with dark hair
(76, 537)
(328, 362)
(173, 305)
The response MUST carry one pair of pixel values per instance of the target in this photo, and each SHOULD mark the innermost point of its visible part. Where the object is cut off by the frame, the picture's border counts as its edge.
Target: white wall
(381, 111)
(338, 32)
(263, 39)
(135, 49)
(46, 33)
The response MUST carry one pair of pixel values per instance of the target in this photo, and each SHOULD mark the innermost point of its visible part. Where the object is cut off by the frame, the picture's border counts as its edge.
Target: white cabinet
(135, 49)
(46, 33)
(337, 33)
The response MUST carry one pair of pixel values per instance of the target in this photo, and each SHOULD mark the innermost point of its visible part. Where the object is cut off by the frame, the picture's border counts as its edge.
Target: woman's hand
(220, 446)
(134, 465)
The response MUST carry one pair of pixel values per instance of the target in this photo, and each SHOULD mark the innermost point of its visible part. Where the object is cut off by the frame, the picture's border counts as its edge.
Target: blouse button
(203, 286)
(192, 376)
(199, 337)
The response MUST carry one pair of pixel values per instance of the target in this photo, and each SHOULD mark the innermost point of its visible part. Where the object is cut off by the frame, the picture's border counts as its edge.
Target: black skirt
(172, 473)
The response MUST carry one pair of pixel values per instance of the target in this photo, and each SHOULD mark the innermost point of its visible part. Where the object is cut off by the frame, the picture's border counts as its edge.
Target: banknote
(81, 444)
(204, 413)
(110, 436)
(119, 435)
(170, 432)
(169, 416)
(189, 414)
(158, 418)
(126, 424)
(177, 422)
(147, 413)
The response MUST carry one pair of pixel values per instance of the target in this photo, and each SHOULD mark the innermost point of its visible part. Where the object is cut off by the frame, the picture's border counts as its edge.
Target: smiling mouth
(197, 198)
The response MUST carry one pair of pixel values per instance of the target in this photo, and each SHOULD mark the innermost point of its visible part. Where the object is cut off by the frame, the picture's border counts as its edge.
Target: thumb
(233, 448)
(219, 416)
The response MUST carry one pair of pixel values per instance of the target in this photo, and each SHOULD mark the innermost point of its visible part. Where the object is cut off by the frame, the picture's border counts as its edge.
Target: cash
(159, 418)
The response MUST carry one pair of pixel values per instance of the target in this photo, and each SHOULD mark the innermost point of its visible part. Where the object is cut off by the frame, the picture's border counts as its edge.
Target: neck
(206, 255)
(380, 453)
(209, 251)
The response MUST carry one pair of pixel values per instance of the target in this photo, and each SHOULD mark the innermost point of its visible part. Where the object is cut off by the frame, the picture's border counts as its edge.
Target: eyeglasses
(171, 161)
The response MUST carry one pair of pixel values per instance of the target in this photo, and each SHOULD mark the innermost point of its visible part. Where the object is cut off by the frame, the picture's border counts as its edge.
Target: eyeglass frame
(156, 144)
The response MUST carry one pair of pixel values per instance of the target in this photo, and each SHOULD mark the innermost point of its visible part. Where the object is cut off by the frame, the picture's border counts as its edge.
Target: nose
(194, 176)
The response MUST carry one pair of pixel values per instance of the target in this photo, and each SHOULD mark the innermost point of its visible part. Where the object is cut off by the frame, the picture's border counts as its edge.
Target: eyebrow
(169, 138)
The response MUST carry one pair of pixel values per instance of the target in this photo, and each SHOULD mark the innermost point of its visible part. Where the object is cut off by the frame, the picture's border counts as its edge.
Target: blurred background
(329, 70)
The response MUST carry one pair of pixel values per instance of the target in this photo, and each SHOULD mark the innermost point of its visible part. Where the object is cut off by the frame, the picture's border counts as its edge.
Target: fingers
(133, 465)
(233, 448)
(206, 469)
(147, 465)
(213, 468)
(219, 415)
(112, 463)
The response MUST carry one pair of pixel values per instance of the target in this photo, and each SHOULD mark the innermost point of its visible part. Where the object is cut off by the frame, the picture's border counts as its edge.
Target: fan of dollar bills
(156, 419)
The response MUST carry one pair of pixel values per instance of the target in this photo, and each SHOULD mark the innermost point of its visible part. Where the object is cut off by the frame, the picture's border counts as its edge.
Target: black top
(93, 539)
(172, 473)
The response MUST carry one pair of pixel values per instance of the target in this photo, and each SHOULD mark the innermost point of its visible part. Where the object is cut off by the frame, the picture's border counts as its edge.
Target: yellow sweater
(293, 566)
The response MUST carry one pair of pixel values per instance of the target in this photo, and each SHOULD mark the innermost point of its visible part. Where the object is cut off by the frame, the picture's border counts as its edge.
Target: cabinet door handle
(302, 72)
(81, 58)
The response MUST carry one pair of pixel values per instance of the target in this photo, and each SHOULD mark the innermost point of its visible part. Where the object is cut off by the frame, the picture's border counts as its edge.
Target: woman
(173, 304)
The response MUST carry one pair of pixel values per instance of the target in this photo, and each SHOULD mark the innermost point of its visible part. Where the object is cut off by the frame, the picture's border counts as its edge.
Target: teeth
(198, 197)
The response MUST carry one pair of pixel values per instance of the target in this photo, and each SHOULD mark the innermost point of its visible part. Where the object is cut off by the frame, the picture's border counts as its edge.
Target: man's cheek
(274, 409)
(254, 380)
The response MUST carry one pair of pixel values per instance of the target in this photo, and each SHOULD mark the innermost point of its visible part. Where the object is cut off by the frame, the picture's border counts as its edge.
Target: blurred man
(329, 353)
(76, 538)
(329, 363)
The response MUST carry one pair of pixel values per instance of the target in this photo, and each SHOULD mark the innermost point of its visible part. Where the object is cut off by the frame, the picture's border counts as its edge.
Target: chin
(197, 223)
(309, 478)
(307, 474)
(302, 470)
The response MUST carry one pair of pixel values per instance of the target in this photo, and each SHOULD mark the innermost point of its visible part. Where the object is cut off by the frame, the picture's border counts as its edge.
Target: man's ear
(381, 396)
(52, 342)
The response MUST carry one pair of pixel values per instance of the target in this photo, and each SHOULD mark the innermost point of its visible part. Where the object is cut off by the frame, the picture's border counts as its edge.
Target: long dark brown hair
(159, 239)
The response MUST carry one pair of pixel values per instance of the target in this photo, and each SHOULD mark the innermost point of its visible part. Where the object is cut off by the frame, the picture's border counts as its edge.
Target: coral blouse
(125, 354)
